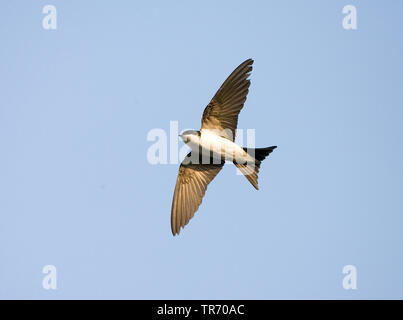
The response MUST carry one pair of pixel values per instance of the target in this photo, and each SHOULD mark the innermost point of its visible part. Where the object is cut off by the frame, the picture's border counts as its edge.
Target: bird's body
(209, 142)
(213, 145)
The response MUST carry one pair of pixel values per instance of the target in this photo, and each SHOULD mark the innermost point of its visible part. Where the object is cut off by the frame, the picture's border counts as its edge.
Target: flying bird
(214, 144)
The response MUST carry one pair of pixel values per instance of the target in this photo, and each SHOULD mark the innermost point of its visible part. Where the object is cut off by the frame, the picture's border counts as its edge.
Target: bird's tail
(251, 170)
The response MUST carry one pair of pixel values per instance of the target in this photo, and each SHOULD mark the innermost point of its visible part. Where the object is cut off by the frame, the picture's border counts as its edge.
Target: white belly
(220, 147)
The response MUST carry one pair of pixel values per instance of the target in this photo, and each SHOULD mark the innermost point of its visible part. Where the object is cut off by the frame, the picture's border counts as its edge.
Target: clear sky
(77, 191)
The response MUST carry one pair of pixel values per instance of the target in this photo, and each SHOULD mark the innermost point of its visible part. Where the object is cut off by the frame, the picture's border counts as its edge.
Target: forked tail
(251, 170)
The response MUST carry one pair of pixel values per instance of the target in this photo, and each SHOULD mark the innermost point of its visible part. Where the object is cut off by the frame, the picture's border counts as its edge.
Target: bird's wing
(222, 111)
(190, 188)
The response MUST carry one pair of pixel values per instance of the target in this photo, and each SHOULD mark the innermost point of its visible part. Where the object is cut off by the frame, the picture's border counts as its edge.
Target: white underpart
(219, 146)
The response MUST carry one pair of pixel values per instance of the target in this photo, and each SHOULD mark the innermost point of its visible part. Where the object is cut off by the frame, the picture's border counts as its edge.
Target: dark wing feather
(223, 110)
(190, 188)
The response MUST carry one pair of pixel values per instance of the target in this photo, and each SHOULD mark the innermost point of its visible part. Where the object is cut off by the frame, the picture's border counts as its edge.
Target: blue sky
(77, 191)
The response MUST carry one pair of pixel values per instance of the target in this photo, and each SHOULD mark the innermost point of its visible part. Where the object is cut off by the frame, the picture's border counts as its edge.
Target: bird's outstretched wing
(222, 111)
(190, 188)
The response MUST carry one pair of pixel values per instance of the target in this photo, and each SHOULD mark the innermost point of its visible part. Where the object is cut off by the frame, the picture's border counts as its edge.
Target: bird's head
(189, 135)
